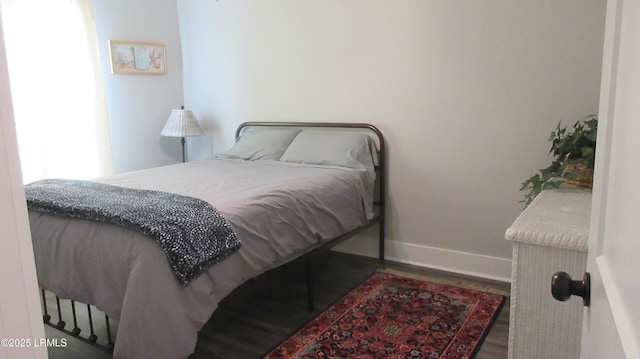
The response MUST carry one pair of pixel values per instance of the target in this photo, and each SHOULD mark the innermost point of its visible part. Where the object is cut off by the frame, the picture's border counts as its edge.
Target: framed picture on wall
(137, 58)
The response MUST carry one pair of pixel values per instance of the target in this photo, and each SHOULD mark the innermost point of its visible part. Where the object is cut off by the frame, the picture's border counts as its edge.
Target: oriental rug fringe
(395, 316)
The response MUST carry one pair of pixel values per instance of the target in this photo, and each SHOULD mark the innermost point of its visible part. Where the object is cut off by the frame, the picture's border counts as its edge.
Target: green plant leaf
(587, 152)
(576, 145)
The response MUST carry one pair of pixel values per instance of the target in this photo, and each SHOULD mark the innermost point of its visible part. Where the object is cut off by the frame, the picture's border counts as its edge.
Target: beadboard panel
(552, 329)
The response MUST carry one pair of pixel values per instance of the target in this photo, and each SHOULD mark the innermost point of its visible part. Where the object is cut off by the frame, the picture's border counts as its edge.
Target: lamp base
(183, 141)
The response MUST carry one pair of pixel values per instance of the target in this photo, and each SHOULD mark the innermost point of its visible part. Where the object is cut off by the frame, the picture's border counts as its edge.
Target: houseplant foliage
(574, 153)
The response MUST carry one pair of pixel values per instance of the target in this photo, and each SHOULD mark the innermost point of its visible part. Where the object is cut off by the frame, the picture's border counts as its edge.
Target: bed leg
(46, 317)
(109, 340)
(76, 331)
(92, 338)
(61, 322)
(310, 299)
(381, 239)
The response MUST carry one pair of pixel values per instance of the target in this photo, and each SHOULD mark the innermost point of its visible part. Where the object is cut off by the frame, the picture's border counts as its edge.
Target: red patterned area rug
(389, 316)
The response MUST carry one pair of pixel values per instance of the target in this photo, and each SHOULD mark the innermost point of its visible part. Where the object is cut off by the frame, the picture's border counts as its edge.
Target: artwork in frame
(138, 58)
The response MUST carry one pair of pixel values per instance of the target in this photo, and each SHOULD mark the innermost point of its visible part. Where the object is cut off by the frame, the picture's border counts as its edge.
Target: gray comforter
(279, 211)
(190, 231)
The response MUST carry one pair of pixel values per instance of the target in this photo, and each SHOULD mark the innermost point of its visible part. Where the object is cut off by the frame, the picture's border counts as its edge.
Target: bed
(286, 193)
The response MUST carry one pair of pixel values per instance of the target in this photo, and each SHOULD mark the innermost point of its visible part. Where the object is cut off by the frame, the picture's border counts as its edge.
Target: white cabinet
(549, 236)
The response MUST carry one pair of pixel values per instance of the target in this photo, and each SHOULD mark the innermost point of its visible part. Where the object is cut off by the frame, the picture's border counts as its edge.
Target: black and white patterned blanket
(193, 234)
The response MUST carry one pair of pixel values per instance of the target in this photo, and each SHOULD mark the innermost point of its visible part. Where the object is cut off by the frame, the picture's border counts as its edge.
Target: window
(57, 89)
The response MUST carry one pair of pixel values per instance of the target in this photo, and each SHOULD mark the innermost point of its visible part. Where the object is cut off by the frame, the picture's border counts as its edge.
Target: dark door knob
(562, 287)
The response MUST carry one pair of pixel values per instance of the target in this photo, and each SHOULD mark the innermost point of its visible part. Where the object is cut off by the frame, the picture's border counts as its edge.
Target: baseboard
(466, 263)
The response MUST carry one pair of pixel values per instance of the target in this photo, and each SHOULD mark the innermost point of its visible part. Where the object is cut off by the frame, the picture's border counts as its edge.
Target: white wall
(466, 94)
(139, 105)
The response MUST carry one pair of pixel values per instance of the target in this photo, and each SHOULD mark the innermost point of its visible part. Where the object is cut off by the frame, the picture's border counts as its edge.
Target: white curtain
(57, 89)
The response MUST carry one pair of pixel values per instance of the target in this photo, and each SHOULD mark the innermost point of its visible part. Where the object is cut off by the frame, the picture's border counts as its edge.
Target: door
(611, 326)
(20, 314)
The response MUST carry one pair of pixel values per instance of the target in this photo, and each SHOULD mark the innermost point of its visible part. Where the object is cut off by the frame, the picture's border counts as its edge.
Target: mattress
(278, 210)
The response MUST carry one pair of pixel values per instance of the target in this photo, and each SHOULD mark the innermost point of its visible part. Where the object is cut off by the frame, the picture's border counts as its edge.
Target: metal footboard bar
(83, 320)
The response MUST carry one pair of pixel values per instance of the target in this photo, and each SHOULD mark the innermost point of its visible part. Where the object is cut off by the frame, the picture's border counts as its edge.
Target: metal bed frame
(67, 305)
(380, 195)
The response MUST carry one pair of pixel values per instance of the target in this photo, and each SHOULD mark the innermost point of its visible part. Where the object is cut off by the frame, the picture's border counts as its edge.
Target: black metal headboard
(381, 170)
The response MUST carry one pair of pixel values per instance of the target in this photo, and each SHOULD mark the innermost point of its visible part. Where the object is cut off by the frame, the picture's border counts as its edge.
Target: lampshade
(181, 123)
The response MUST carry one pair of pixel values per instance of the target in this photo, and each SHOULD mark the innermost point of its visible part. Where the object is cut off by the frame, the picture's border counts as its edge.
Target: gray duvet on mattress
(191, 232)
(278, 211)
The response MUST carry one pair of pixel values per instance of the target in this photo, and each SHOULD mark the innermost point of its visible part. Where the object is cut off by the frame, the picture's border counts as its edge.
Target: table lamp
(182, 123)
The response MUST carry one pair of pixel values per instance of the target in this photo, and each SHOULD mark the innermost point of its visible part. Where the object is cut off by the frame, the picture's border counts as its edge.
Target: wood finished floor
(265, 311)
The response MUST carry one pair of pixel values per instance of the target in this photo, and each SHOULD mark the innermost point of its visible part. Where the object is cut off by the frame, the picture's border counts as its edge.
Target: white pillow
(260, 145)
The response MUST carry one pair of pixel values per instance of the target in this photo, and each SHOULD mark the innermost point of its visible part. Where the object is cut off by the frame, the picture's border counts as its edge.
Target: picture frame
(137, 58)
